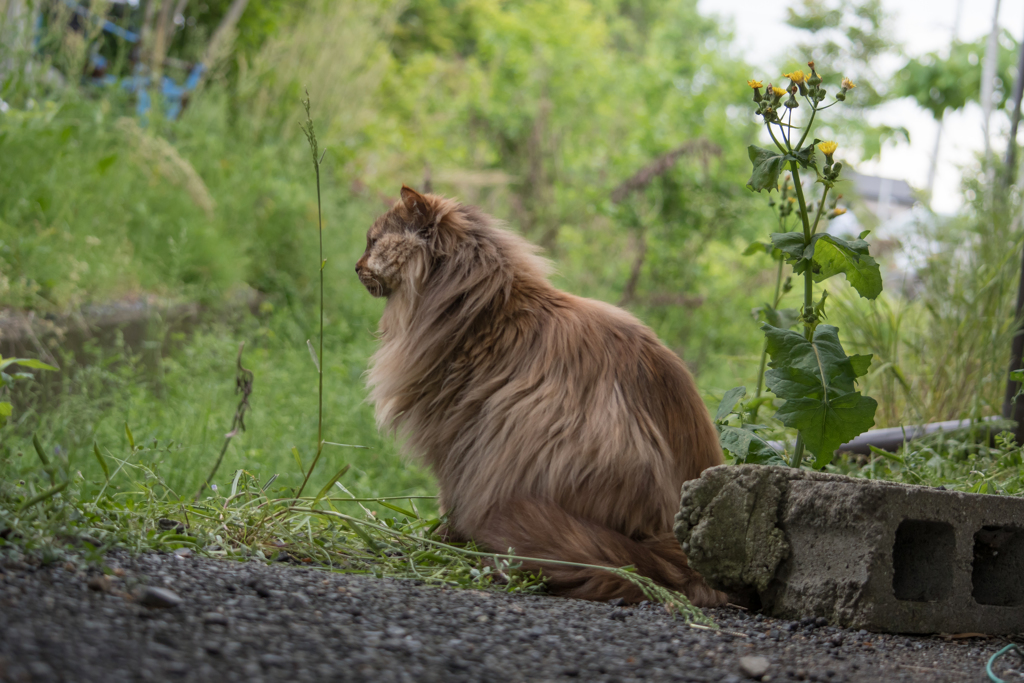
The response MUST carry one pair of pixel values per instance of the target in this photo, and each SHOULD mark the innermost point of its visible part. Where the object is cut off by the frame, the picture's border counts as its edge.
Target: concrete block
(863, 554)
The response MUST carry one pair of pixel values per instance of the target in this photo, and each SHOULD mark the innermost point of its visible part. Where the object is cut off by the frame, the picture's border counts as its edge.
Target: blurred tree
(849, 39)
(939, 83)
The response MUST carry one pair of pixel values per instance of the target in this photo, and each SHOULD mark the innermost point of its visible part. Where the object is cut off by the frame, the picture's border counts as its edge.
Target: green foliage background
(535, 110)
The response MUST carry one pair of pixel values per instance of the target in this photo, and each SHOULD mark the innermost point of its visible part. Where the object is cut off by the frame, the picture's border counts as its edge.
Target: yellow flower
(779, 92)
(755, 84)
(838, 211)
(795, 76)
(828, 148)
(848, 84)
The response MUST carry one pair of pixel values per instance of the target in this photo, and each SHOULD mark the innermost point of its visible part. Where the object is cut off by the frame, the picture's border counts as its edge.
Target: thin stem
(243, 385)
(764, 350)
(798, 451)
(808, 311)
(810, 123)
(777, 143)
(311, 137)
(821, 207)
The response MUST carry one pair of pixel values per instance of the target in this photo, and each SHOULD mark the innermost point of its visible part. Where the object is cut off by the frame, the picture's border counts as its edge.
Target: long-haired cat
(557, 426)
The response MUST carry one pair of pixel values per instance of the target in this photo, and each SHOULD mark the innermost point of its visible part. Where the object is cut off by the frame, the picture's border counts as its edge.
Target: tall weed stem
(317, 158)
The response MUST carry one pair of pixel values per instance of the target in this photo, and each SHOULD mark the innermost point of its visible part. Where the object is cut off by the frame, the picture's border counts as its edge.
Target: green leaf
(833, 255)
(106, 162)
(298, 459)
(861, 362)
(767, 167)
(783, 318)
(827, 425)
(757, 247)
(805, 156)
(747, 446)
(128, 433)
(818, 381)
(791, 244)
(5, 412)
(729, 402)
(99, 458)
(27, 362)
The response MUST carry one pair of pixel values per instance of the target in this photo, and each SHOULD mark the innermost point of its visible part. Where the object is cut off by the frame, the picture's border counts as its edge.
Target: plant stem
(764, 349)
(807, 129)
(311, 136)
(808, 312)
(821, 207)
(243, 385)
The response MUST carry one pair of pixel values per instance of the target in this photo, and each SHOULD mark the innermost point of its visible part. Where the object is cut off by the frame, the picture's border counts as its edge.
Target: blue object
(988, 667)
(172, 93)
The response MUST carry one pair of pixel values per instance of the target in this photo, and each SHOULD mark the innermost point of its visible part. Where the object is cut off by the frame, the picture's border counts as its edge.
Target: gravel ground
(251, 622)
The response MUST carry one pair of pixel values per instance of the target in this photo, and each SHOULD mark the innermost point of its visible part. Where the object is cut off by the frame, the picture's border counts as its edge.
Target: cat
(555, 425)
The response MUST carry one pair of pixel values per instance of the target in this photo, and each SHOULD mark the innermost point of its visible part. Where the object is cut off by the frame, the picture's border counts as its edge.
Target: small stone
(41, 671)
(151, 596)
(754, 666)
(269, 660)
(821, 622)
(99, 583)
(616, 602)
(171, 524)
(215, 618)
(836, 640)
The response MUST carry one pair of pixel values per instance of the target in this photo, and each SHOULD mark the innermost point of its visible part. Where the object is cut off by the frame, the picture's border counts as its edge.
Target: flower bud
(756, 85)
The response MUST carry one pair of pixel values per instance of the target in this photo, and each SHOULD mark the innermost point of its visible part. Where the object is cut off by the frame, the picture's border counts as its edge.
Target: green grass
(91, 481)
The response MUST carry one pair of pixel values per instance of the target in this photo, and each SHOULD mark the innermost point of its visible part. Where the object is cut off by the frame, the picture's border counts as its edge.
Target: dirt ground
(251, 622)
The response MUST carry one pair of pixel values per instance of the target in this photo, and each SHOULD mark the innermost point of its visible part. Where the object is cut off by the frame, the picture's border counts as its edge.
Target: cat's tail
(541, 529)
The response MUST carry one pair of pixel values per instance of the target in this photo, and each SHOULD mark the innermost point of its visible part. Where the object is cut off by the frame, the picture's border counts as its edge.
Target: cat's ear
(414, 202)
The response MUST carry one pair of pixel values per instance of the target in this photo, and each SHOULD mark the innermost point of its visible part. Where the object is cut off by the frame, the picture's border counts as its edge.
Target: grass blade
(298, 459)
(48, 493)
(131, 439)
(234, 482)
(400, 510)
(267, 485)
(101, 460)
(39, 451)
(312, 354)
(325, 489)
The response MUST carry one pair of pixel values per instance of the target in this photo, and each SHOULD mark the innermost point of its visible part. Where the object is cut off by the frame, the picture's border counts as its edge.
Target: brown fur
(556, 425)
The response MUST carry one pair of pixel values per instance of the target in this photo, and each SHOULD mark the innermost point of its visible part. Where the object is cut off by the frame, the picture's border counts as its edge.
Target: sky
(922, 26)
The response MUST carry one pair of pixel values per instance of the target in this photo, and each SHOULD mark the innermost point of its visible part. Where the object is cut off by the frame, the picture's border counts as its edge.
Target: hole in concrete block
(998, 566)
(922, 561)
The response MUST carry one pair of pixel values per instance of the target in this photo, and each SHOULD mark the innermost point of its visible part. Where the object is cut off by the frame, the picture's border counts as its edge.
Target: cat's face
(392, 248)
